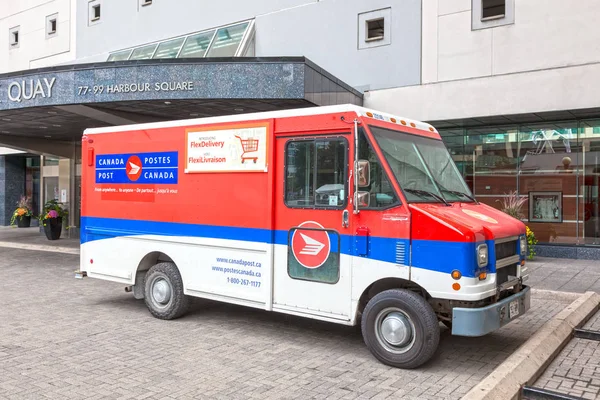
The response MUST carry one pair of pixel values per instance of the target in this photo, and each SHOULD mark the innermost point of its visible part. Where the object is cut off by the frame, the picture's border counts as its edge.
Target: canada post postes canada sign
(141, 168)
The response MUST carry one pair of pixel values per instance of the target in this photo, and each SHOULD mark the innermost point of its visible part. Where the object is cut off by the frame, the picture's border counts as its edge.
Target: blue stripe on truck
(431, 255)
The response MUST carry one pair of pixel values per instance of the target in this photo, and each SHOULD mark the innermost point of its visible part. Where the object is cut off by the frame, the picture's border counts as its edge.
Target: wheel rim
(161, 291)
(395, 330)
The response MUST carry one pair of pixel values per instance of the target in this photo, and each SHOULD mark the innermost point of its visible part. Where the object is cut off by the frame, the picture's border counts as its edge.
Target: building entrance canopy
(57, 104)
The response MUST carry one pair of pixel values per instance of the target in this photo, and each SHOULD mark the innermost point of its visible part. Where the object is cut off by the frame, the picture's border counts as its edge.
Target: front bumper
(483, 320)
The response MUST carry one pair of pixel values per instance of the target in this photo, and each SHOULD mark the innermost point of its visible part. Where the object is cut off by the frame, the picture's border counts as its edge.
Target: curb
(530, 360)
(543, 294)
(39, 247)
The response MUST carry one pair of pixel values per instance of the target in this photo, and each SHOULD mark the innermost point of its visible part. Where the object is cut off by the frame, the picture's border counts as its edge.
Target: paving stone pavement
(87, 339)
(564, 274)
(576, 370)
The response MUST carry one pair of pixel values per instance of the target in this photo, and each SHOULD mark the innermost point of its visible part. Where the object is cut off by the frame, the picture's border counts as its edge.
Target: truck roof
(296, 112)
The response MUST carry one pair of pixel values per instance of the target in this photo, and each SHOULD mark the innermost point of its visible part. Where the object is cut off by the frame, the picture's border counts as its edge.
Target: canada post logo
(142, 168)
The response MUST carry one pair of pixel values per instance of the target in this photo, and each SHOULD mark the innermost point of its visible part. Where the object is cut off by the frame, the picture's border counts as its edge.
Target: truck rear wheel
(164, 291)
(400, 328)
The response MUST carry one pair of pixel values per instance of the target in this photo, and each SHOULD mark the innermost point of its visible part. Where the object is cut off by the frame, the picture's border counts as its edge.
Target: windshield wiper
(427, 193)
(456, 192)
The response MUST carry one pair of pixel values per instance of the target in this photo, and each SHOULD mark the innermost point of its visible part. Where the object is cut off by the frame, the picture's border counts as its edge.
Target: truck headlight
(482, 255)
(523, 245)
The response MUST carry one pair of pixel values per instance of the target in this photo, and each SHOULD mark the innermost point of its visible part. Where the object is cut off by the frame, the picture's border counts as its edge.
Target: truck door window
(381, 192)
(316, 173)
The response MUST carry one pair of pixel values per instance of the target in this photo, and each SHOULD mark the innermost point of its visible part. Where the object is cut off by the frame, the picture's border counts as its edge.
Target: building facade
(510, 84)
(35, 34)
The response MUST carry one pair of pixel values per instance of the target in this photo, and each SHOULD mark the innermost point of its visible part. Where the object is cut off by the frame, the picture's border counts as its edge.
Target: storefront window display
(548, 171)
(589, 182)
(553, 167)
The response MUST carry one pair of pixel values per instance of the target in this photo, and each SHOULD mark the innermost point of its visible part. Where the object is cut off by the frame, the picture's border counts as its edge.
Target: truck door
(312, 218)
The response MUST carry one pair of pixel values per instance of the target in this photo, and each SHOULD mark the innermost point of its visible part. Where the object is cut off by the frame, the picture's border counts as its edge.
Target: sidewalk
(564, 275)
(576, 369)
(33, 239)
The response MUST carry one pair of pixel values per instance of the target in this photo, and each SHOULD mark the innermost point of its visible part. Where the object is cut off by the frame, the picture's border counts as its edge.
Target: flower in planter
(531, 242)
(52, 214)
(53, 209)
(23, 210)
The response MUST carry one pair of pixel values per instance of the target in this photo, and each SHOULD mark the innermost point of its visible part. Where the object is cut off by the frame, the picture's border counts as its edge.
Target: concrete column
(12, 185)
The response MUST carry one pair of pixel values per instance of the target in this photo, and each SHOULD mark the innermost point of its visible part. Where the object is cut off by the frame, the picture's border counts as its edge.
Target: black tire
(401, 304)
(160, 275)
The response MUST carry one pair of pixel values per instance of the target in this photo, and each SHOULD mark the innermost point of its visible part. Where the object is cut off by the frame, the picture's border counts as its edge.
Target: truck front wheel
(164, 291)
(400, 328)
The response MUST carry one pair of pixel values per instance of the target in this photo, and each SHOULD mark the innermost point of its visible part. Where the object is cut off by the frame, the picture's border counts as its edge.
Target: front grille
(503, 273)
(506, 249)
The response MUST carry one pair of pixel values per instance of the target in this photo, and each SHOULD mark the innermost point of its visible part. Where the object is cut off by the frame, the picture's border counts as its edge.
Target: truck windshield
(423, 167)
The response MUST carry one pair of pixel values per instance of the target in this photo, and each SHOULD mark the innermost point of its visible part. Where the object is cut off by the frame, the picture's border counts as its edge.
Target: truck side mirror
(363, 199)
(364, 173)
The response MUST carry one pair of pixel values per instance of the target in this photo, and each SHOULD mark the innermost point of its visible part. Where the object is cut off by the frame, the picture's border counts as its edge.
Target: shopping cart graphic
(248, 146)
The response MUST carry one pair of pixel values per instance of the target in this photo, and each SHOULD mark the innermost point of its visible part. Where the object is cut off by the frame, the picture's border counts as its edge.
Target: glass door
(589, 137)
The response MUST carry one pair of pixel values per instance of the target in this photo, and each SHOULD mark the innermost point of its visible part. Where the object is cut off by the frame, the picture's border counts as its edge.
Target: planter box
(53, 228)
(24, 222)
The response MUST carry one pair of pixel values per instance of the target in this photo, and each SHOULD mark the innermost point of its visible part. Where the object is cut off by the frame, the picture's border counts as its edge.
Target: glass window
(492, 159)
(196, 45)
(14, 36)
(94, 12)
(119, 55)
(143, 53)
(380, 190)
(169, 49)
(51, 188)
(32, 182)
(49, 161)
(493, 9)
(589, 181)
(548, 163)
(227, 41)
(316, 173)
(51, 25)
(422, 166)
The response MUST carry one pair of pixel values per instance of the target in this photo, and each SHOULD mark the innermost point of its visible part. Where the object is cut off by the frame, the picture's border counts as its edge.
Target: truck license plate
(513, 309)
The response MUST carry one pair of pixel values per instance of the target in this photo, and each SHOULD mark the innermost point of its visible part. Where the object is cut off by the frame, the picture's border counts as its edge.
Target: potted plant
(52, 218)
(512, 204)
(531, 242)
(22, 215)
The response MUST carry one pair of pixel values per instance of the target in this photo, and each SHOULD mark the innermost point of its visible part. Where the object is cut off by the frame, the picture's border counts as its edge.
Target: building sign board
(21, 90)
(112, 83)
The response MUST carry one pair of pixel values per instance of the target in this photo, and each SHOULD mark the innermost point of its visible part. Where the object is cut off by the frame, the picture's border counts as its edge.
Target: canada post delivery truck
(340, 213)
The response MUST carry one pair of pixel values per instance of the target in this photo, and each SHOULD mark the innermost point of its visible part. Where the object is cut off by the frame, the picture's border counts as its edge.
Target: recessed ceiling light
(43, 127)
(56, 125)
(167, 102)
(47, 136)
(6, 119)
(238, 109)
(193, 114)
(5, 132)
(52, 112)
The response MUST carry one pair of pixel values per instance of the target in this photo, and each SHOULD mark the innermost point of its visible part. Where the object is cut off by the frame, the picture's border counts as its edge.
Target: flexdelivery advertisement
(239, 149)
